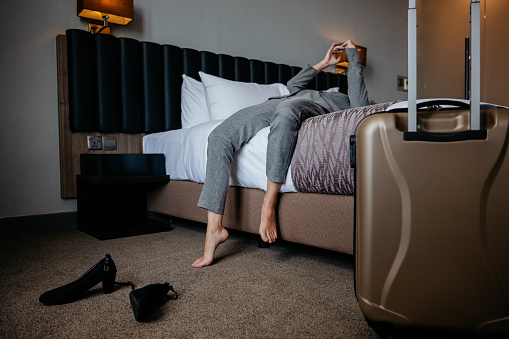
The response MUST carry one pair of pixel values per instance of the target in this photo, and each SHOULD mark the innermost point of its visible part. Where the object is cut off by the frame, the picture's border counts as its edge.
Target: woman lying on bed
(284, 115)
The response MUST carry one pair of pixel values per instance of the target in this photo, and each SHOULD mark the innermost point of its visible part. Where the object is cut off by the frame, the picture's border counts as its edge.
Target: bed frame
(126, 88)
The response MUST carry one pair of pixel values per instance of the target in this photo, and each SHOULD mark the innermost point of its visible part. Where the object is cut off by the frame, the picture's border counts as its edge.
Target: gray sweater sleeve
(357, 92)
(300, 81)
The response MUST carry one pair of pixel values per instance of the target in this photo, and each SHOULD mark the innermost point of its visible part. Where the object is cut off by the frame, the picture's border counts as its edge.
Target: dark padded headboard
(124, 85)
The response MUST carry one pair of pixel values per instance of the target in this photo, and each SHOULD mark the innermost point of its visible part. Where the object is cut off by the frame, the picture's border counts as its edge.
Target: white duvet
(185, 153)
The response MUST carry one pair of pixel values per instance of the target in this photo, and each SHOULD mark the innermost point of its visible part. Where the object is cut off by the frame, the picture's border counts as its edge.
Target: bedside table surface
(122, 180)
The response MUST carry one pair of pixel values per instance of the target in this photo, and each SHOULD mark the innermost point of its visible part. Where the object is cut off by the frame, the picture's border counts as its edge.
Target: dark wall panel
(257, 71)
(226, 68)
(81, 67)
(124, 85)
(284, 73)
(209, 63)
(172, 59)
(191, 62)
(107, 83)
(242, 69)
(130, 85)
(152, 87)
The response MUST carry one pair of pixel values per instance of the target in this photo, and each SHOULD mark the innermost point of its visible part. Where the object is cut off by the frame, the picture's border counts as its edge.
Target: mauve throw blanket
(321, 161)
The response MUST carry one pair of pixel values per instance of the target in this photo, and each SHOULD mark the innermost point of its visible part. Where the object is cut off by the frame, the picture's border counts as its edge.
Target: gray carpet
(286, 291)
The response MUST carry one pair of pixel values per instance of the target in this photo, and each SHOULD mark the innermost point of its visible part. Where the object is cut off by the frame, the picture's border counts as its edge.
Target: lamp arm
(105, 24)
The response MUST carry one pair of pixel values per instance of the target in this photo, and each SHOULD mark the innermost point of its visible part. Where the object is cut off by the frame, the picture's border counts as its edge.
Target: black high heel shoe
(147, 299)
(105, 271)
(263, 244)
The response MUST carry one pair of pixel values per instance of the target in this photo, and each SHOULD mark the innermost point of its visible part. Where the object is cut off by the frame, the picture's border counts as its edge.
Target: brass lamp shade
(343, 61)
(119, 12)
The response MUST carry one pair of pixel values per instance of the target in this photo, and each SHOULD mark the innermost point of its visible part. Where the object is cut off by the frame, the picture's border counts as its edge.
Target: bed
(316, 200)
(165, 99)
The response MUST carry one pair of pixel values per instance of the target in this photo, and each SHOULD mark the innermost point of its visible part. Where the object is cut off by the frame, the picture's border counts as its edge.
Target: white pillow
(333, 89)
(225, 97)
(193, 103)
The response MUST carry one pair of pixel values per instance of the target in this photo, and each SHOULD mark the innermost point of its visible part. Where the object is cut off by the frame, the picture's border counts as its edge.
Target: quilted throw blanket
(321, 161)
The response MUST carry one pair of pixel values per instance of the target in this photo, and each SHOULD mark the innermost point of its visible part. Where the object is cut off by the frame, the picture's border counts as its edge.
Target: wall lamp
(119, 12)
(342, 65)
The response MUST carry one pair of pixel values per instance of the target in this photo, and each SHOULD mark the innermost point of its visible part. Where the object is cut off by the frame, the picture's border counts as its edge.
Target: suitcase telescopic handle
(475, 80)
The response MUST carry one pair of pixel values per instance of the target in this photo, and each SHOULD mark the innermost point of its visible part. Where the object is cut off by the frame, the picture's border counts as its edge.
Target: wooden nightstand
(112, 199)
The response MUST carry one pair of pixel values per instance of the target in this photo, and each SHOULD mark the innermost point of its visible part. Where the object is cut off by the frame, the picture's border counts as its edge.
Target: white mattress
(185, 153)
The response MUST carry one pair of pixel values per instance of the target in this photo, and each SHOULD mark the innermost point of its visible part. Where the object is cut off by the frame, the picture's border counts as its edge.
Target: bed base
(320, 220)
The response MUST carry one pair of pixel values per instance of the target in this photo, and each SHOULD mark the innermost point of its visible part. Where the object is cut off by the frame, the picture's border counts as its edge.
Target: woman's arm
(333, 55)
(300, 81)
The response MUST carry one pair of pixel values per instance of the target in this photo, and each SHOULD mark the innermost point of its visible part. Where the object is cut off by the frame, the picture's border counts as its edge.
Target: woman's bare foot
(213, 239)
(268, 226)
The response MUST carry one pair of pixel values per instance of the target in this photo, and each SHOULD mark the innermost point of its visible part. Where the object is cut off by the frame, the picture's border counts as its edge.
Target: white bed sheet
(185, 153)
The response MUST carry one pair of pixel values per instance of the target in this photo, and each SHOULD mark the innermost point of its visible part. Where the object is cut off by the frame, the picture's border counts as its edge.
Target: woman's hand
(347, 44)
(334, 54)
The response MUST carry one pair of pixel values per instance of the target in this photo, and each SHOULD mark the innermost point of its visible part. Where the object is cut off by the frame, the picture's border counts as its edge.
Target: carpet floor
(285, 291)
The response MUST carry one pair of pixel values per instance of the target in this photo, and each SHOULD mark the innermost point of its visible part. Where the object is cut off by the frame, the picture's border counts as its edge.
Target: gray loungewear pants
(283, 115)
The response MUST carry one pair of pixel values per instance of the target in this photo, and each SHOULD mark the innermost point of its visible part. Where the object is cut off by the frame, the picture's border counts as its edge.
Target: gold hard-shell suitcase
(432, 214)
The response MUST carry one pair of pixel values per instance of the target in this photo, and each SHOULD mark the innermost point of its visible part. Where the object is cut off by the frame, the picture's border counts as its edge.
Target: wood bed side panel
(63, 118)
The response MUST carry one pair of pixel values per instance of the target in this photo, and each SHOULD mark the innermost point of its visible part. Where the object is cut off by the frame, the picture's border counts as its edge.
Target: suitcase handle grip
(459, 104)
(446, 137)
(450, 136)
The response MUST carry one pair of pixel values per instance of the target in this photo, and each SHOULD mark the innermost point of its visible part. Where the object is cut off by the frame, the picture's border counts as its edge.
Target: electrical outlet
(95, 142)
(109, 143)
(402, 83)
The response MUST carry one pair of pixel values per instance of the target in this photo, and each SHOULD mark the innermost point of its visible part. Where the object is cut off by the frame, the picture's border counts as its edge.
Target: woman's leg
(268, 227)
(216, 234)
(284, 128)
(225, 140)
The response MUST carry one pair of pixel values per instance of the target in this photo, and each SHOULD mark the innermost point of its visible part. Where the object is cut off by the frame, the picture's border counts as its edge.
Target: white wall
(295, 32)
